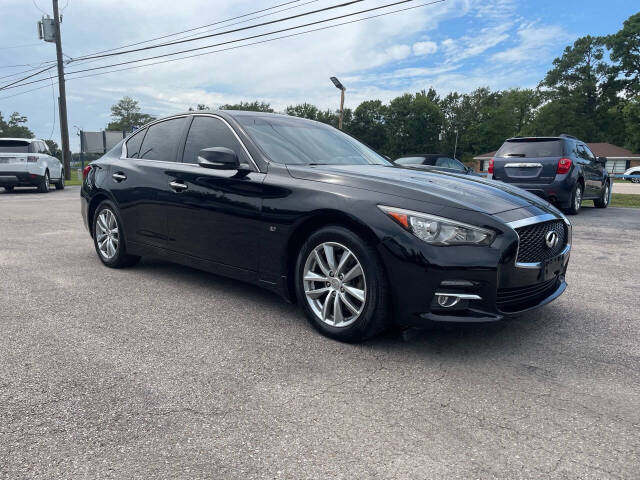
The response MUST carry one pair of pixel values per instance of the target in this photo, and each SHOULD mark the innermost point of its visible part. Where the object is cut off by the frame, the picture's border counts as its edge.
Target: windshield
(532, 148)
(14, 146)
(301, 142)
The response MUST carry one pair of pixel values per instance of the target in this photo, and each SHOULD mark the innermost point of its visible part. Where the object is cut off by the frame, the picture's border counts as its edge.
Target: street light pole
(62, 101)
(340, 87)
(455, 148)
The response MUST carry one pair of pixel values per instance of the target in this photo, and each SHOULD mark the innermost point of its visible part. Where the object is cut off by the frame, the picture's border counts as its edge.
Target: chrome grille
(533, 247)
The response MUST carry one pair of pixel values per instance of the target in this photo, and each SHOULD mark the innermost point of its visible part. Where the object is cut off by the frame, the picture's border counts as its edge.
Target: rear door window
(133, 144)
(14, 146)
(531, 148)
(162, 139)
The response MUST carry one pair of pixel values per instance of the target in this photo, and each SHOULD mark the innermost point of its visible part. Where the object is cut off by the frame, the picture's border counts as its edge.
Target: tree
(15, 127)
(625, 50)
(368, 124)
(575, 84)
(126, 115)
(413, 123)
(631, 112)
(249, 106)
(199, 107)
(54, 149)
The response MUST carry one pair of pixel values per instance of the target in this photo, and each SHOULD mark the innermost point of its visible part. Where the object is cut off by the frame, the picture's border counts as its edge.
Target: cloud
(535, 42)
(425, 48)
(469, 46)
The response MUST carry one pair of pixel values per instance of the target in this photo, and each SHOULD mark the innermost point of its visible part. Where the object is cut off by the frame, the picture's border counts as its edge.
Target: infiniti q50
(314, 215)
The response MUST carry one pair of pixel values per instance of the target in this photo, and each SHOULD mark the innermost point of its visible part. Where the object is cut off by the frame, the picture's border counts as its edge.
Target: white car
(27, 162)
(635, 171)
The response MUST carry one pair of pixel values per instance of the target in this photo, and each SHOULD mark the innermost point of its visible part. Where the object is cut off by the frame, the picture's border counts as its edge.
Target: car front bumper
(492, 285)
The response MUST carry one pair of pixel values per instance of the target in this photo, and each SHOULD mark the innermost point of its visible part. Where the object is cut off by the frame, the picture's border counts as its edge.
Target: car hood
(441, 188)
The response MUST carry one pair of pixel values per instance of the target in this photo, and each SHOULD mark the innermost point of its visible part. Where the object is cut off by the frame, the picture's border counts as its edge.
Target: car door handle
(119, 177)
(178, 186)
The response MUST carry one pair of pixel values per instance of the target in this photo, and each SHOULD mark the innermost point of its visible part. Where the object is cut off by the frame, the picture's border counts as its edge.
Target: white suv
(27, 162)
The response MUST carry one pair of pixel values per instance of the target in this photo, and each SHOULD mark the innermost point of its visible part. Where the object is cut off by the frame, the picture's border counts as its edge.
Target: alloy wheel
(47, 183)
(606, 195)
(107, 235)
(578, 202)
(334, 284)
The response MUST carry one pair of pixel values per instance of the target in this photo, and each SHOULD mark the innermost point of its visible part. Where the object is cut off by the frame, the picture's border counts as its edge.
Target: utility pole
(455, 149)
(62, 101)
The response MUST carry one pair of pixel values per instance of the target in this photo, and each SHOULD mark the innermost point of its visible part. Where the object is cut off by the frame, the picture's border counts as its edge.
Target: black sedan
(314, 215)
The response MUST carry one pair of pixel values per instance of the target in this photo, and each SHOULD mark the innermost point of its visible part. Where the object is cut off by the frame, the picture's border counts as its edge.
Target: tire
(603, 201)
(60, 183)
(8, 189)
(576, 199)
(112, 252)
(637, 178)
(354, 320)
(45, 183)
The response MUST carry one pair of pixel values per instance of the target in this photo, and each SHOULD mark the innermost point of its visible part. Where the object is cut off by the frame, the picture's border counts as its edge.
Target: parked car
(560, 169)
(309, 212)
(434, 161)
(633, 175)
(27, 162)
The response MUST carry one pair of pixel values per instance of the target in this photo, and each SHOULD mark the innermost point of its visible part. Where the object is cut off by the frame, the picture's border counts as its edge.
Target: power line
(8, 85)
(245, 38)
(240, 46)
(278, 20)
(21, 46)
(193, 29)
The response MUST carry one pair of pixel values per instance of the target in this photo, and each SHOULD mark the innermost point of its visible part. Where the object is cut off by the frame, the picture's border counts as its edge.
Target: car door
(139, 180)
(588, 162)
(598, 172)
(215, 214)
(54, 165)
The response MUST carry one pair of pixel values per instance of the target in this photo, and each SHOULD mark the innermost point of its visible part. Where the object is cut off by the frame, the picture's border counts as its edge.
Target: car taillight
(564, 165)
(32, 159)
(490, 169)
(85, 172)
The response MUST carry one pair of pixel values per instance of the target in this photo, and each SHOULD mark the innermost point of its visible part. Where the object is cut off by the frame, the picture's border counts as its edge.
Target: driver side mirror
(602, 160)
(218, 158)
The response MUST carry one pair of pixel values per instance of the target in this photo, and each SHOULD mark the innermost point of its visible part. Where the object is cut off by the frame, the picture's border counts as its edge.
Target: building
(618, 159)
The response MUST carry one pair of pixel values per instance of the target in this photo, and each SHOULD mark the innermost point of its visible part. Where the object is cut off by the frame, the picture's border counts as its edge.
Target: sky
(454, 45)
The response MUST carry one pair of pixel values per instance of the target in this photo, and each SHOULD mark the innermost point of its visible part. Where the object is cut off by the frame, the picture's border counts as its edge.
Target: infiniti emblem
(551, 239)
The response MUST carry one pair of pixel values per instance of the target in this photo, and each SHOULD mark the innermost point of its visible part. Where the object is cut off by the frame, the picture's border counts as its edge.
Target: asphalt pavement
(162, 371)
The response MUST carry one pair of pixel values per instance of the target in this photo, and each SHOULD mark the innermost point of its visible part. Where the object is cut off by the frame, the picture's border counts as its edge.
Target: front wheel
(341, 285)
(60, 183)
(108, 238)
(576, 200)
(604, 199)
(8, 189)
(636, 178)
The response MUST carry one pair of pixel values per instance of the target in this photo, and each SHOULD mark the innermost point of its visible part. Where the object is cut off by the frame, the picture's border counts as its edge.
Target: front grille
(533, 247)
(521, 298)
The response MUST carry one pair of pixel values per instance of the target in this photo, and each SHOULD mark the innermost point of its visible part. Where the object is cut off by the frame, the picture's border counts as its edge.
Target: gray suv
(562, 170)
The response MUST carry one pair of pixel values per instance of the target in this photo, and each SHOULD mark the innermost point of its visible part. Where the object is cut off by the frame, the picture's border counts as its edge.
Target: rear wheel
(8, 189)
(603, 201)
(45, 183)
(60, 183)
(341, 285)
(576, 200)
(108, 238)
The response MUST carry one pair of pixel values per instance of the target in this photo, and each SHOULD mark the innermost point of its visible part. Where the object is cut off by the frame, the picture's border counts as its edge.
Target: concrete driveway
(626, 187)
(162, 371)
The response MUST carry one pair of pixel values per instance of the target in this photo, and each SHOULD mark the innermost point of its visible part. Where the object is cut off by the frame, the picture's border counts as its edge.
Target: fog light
(447, 301)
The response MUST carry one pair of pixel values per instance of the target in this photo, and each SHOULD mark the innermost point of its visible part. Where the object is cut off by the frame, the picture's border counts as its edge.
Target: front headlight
(438, 230)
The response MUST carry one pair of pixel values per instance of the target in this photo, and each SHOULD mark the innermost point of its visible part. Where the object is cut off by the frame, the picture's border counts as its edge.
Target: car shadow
(443, 338)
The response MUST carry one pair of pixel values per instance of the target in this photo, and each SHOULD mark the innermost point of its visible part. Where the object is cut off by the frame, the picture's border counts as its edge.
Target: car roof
(29, 140)
(426, 155)
(552, 138)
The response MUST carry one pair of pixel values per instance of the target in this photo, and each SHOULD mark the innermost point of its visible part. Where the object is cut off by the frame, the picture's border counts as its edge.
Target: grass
(624, 200)
(75, 179)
